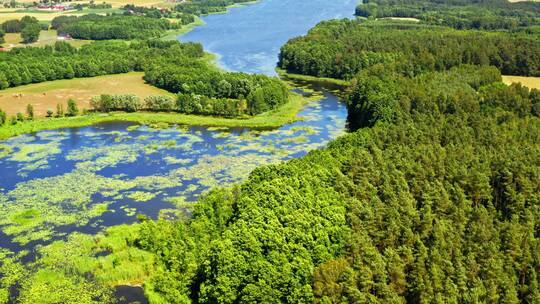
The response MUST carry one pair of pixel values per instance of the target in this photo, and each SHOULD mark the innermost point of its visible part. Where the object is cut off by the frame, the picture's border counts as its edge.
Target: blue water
(249, 38)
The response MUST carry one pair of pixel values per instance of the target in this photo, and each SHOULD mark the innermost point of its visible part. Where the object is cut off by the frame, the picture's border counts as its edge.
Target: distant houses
(54, 7)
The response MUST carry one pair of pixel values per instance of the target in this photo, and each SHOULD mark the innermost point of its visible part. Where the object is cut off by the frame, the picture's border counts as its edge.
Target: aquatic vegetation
(133, 128)
(34, 156)
(176, 161)
(140, 196)
(38, 205)
(5, 151)
(98, 158)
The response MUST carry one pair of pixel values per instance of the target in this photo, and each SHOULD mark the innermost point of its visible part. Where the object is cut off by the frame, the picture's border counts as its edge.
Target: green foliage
(342, 48)
(37, 64)
(487, 15)
(205, 90)
(3, 117)
(29, 112)
(30, 33)
(122, 102)
(97, 27)
(72, 109)
(59, 110)
(159, 103)
(204, 7)
(17, 26)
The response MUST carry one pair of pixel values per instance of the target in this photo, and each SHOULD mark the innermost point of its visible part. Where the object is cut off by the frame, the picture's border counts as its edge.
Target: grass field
(531, 82)
(46, 95)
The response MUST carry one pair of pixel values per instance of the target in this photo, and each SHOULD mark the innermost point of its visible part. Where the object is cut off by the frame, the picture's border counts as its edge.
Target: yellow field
(45, 38)
(9, 14)
(117, 3)
(531, 82)
(47, 95)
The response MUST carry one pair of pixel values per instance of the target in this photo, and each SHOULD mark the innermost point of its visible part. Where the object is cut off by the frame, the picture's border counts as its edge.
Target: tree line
(62, 61)
(28, 26)
(98, 27)
(487, 15)
(204, 7)
(208, 91)
(342, 48)
(171, 65)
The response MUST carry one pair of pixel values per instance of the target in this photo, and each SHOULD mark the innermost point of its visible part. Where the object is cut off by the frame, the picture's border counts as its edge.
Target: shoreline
(285, 114)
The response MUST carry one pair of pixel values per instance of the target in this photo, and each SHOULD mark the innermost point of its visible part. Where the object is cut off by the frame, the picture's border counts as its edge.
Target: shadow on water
(130, 295)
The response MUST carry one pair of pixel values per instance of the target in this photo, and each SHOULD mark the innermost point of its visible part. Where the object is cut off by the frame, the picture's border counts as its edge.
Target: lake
(85, 179)
(248, 38)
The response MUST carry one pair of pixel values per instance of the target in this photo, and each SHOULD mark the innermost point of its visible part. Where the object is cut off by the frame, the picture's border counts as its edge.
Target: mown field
(531, 82)
(47, 95)
(45, 38)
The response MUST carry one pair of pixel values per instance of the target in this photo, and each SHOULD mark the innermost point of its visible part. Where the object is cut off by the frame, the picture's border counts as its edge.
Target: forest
(342, 48)
(434, 198)
(177, 67)
(98, 27)
(62, 61)
(486, 15)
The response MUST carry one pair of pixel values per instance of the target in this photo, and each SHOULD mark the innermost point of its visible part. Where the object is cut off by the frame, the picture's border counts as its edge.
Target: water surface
(248, 38)
(85, 179)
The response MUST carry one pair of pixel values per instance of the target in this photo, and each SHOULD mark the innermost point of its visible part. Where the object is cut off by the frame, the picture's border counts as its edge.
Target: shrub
(59, 110)
(50, 113)
(159, 103)
(30, 112)
(121, 102)
(72, 109)
(3, 117)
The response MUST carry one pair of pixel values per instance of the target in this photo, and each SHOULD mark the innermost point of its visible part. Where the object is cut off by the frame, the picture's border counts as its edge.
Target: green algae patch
(31, 210)
(107, 256)
(140, 196)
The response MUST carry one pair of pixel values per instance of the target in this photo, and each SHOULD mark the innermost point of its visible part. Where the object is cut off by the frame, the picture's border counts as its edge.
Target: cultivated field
(47, 95)
(531, 82)
(117, 3)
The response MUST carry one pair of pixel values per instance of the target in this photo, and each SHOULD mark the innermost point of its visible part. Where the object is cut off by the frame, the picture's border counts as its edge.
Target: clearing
(47, 95)
(49, 37)
(530, 82)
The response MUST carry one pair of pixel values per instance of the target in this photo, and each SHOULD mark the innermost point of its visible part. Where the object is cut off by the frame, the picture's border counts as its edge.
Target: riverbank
(269, 120)
(175, 34)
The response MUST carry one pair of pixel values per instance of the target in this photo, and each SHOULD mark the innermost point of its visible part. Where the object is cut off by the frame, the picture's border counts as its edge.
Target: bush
(3, 117)
(50, 113)
(30, 112)
(120, 102)
(159, 103)
(72, 109)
